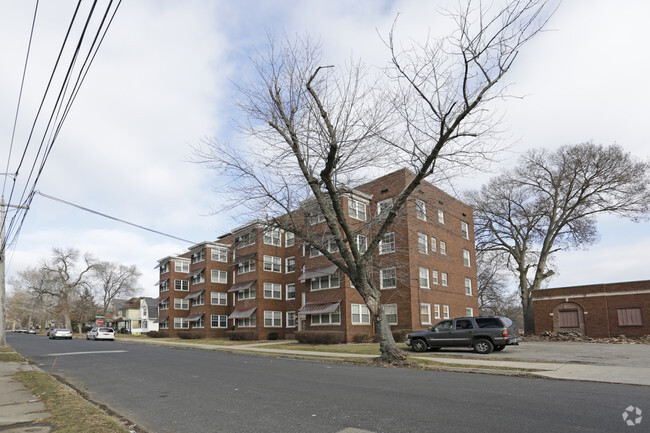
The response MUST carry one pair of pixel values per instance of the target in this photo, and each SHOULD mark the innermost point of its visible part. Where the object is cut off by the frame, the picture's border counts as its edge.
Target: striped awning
(161, 300)
(242, 286)
(162, 318)
(324, 307)
(321, 271)
(244, 258)
(197, 272)
(193, 317)
(161, 281)
(242, 314)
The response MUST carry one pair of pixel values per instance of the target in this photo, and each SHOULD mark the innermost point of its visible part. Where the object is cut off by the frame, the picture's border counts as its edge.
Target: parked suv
(484, 334)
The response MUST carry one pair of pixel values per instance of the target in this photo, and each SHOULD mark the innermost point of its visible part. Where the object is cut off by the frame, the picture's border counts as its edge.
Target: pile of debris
(576, 336)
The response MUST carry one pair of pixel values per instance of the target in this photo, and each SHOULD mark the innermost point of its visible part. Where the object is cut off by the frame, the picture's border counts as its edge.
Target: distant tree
(84, 308)
(317, 130)
(496, 296)
(550, 202)
(115, 281)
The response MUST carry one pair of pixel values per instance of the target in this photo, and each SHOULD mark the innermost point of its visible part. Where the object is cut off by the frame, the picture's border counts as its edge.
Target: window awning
(194, 317)
(324, 307)
(162, 318)
(161, 300)
(197, 272)
(161, 281)
(194, 295)
(244, 258)
(241, 286)
(318, 272)
(242, 314)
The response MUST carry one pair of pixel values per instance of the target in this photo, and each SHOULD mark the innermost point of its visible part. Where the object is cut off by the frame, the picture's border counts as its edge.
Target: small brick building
(598, 310)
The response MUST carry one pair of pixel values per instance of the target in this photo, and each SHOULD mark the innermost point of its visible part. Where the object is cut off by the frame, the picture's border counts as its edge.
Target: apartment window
(469, 312)
(289, 239)
(629, 317)
(316, 218)
(290, 290)
(443, 247)
(464, 229)
(360, 314)
(219, 254)
(326, 282)
(181, 323)
(444, 278)
(181, 304)
(468, 286)
(248, 322)
(246, 293)
(387, 244)
(330, 245)
(200, 323)
(420, 209)
(290, 264)
(291, 319)
(164, 325)
(182, 285)
(164, 285)
(445, 311)
(218, 298)
(182, 266)
(272, 291)
(272, 264)
(200, 300)
(391, 313)
(327, 319)
(164, 268)
(362, 243)
(356, 209)
(272, 319)
(220, 277)
(434, 244)
(388, 278)
(219, 321)
(384, 205)
(466, 260)
(425, 314)
(422, 243)
(198, 278)
(245, 240)
(247, 266)
(424, 278)
(434, 277)
(198, 257)
(441, 216)
(436, 311)
(164, 305)
(273, 237)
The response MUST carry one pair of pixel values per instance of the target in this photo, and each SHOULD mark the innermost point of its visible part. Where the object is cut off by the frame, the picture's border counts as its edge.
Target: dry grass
(70, 412)
(361, 348)
(11, 357)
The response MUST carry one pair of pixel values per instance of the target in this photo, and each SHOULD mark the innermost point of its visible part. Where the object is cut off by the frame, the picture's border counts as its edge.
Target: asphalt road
(168, 389)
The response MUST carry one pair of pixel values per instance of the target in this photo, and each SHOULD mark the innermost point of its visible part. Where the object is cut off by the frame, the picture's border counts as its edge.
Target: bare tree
(316, 131)
(115, 281)
(62, 278)
(550, 202)
(496, 296)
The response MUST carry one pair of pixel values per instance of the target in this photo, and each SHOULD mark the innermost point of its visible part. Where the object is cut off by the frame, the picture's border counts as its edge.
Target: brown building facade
(271, 283)
(598, 310)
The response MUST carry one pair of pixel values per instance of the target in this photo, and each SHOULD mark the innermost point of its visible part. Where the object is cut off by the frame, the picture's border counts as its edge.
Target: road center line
(86, 353)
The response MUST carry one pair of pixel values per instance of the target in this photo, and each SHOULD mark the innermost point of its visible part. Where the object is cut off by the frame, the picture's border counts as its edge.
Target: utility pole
(3, 303)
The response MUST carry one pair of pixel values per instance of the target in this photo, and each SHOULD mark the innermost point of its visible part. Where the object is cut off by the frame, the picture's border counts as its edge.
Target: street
(166, 389)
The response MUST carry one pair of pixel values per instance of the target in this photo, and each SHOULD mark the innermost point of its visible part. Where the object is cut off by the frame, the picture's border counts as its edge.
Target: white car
(101, 334)
(60, 333)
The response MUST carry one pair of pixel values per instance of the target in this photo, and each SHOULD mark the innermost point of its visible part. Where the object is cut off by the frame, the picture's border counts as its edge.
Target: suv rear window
(106, 329)
(488, 322)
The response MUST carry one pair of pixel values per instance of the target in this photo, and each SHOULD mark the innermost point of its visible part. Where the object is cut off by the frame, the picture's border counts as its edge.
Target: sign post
(99, 320)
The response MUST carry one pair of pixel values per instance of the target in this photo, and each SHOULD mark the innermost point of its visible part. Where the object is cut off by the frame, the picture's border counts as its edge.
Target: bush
(190, 335)
(400, 335)
(155, 334)
(273, 335)
(362, 338)
(320, 337)
(240, 335)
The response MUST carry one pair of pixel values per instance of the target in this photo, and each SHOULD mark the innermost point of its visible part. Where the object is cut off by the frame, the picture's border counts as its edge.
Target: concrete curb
(17, 405)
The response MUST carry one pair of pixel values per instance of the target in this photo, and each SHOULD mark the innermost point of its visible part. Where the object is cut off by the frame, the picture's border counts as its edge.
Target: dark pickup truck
(484, 334)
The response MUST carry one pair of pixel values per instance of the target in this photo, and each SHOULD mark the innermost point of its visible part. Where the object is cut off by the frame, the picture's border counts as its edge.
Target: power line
(113, 218)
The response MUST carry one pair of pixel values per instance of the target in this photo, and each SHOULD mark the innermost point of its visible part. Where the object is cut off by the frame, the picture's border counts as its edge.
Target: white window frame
(469, 312)
(445, 311)
(468, 286)
(464, 230)
(420, 209)
(288, 293)
(164, 285)
(181, 304)
(220, 298)
(219, 254)
(466, 258)
(387, 244)
(181, 323)
(362, 243)
(246, 293)
(290, 265)
(198, 278)
(248, 322)
(272, 319)
(245, 240)
(436, 311)
(423, 243)
(434, 278)
(164, 305)
(219, 277)
(272, 263)
(443, 247)
(423, 278)
(198, 257)
(182, 266)
(360, 314)
(425, 311)
(199, 300)
(164, 324)
(390, 310)
(220, 319)
(388, 275)
(272, 291)
(291, 319)
(330, 316)
(434, 244)
(384, 205)
(441, 216)
(246, 266)
(289, 239)
(444, 279)
(273, 237)
(356, 209)
(326, 282)
(184, 285)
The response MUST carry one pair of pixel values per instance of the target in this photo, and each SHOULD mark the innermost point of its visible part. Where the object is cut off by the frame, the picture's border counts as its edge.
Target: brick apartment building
(267, 281)
(597, 310)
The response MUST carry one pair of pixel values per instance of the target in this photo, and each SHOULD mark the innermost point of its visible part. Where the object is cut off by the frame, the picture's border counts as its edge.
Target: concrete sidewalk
(17, 405)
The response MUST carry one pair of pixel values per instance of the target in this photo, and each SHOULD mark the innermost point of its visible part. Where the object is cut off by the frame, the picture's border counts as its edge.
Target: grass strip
(70, 412)
(11, 357)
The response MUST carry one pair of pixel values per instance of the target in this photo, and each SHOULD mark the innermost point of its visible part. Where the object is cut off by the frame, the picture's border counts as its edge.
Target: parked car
(484, 334)
(101, 334)
(60, 333)
(31, 331)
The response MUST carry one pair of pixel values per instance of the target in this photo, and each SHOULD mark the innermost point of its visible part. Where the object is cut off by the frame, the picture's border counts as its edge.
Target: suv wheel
(419, 345)
(483, 346)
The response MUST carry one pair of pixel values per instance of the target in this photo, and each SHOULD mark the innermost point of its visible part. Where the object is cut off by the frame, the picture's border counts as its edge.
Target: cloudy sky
(163, 81)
